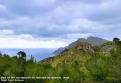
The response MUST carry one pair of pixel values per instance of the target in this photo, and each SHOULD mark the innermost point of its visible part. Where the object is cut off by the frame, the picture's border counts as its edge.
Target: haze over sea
(37, 53)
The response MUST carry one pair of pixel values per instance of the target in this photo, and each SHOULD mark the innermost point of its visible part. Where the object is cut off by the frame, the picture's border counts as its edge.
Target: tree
(115, 40)
(6, 55)
(22, 62)
(31, 60)
(22, 55)
(117, 44)
(116, 53)
(0, 54)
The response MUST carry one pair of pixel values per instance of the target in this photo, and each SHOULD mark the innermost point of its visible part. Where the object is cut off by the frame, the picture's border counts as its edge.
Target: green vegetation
(80, 66)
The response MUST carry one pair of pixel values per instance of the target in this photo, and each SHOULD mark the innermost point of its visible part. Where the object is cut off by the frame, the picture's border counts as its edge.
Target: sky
(56, 23)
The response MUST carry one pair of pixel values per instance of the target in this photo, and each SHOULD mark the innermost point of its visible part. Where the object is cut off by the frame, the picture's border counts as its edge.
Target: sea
(38, 53)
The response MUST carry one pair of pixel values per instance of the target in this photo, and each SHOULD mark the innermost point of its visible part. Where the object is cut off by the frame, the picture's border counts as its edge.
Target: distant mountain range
(92, 40)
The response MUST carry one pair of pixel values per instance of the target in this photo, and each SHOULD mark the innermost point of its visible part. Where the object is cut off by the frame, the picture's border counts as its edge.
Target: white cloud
(87, 26)
(78, 35)
(22, 43)
(6, 32)
(27, 41)
(40, 28)
(63, 18)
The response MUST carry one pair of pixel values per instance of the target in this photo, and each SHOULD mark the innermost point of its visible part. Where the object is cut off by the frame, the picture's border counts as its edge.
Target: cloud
(38, 27)
(5, 13)
(10, 40)
(77, 35)
(103, 12)
(86, 1)
(6, 32)
(29, 7)
(2, 8)
(59, 20)
(22, 43)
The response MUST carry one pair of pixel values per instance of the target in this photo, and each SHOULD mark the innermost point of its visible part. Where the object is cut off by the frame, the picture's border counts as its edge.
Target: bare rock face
(84, 45)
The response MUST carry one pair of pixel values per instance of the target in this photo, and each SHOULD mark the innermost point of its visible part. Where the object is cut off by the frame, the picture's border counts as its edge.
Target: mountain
(81, 46)
(85, 61)
(96, 40)
(80, 51)
(92, 40)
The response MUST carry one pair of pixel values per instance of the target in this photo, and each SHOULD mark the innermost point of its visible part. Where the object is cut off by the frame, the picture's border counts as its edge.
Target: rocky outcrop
(90, 40)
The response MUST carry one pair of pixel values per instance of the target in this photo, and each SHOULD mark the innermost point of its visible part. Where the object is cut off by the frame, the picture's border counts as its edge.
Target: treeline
(19, 66)
(82, 68)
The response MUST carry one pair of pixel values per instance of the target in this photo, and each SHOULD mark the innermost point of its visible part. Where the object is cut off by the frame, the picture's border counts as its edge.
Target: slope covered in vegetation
(80, 64)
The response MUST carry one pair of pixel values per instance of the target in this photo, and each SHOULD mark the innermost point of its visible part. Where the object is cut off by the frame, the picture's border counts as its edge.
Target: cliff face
(85, 46)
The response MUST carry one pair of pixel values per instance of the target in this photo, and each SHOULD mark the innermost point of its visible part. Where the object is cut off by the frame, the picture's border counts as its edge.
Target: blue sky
(56, 23)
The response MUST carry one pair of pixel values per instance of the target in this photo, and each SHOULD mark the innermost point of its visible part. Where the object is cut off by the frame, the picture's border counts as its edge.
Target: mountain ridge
(92, 40)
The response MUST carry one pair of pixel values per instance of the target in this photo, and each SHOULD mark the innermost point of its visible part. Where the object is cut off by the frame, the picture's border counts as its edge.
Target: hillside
(92, 40)
(78, 50)
(84, 63)
(89, 62)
